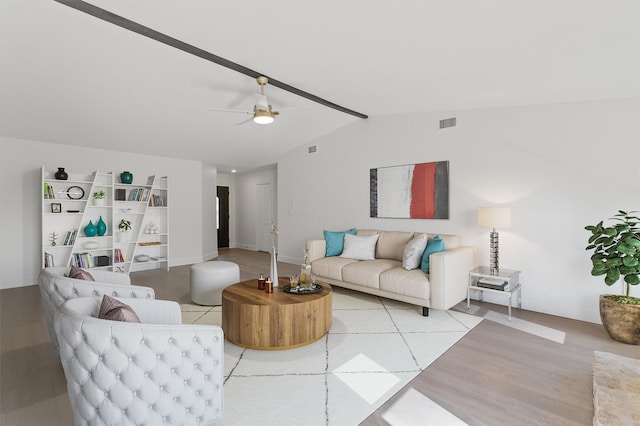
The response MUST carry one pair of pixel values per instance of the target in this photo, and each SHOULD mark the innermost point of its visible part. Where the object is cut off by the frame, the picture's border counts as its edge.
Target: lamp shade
(494, 217)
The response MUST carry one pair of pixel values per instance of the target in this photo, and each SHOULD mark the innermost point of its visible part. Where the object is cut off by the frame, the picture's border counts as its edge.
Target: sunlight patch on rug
(366, 378)
(413, 408)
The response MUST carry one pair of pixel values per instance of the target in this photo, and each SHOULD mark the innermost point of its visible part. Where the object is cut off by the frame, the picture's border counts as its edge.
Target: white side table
(481, 276)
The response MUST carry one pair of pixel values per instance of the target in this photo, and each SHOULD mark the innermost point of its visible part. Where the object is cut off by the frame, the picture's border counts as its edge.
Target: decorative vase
(90, 230)
(102, 227)
(126, 177)
(274, 267)
(99, 202)
(61, 174)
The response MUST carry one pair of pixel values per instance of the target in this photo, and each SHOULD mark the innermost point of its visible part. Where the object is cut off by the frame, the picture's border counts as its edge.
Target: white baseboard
(287, 259)
(246, 247)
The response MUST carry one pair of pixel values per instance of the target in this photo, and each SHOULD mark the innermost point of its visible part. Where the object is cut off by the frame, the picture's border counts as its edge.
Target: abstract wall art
(415, 191)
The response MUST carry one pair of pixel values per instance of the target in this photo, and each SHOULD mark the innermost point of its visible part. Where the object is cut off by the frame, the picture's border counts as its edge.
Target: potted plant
(124, 228)
(98, 198)
(616, 255)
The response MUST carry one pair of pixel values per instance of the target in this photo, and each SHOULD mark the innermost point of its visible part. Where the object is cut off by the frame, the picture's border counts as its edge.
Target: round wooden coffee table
(254, 319)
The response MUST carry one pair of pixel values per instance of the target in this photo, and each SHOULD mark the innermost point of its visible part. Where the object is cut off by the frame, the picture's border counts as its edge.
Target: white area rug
(616, 389)
(374, 348)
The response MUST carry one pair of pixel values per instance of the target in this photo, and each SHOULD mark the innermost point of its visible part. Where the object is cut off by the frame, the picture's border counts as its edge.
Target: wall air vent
(313, 149)
(447, 122)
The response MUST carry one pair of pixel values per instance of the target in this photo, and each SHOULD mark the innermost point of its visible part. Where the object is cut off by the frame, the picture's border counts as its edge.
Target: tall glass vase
(274, 267)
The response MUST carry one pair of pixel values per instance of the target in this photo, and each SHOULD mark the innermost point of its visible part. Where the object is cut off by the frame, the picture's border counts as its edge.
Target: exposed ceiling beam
(137, 28)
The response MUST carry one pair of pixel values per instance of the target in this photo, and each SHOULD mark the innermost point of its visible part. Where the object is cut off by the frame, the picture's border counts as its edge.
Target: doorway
(222, 213)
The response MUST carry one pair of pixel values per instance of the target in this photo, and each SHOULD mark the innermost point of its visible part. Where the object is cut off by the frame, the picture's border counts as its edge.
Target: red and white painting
(416, 191)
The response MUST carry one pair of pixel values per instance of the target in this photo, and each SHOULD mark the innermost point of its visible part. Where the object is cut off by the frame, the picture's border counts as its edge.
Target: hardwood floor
(495, 375)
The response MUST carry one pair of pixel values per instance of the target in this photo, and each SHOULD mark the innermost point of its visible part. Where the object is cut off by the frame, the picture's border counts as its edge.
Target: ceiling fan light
(262, 117)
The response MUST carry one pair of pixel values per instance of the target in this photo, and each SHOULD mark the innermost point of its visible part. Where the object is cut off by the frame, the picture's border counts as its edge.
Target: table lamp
(494, 217)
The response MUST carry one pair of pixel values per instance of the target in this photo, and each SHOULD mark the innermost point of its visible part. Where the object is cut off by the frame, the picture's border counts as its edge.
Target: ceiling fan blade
(248, 120)
(231, 110)
(261, 102)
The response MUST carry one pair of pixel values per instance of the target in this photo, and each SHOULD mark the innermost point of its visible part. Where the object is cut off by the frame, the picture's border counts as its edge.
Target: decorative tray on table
(315, 288)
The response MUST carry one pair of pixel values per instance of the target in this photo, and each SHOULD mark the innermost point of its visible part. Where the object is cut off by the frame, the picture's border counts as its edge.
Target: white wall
(230, 181)
(560, 167)
(20, 162)
(246, 207)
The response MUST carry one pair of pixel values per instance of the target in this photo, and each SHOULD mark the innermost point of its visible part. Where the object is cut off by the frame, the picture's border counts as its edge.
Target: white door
(264, 217)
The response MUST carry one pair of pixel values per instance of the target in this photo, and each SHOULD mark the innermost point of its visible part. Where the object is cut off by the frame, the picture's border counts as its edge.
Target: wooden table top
(247, 293)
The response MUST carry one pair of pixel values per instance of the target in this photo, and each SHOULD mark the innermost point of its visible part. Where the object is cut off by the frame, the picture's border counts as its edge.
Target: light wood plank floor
(495, 375)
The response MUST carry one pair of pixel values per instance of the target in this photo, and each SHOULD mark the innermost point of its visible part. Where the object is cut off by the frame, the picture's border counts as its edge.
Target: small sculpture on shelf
(151, 228)
(53, 236)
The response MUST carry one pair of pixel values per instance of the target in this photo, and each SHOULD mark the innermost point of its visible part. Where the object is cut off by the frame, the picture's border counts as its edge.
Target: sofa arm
(316, 249)
(449, 276)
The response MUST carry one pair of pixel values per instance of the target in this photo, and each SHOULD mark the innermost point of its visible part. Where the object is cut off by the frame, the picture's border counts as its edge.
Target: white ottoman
(208, 279)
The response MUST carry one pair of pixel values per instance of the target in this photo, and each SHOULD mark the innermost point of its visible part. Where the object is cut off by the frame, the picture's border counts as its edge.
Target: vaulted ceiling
(70, 78)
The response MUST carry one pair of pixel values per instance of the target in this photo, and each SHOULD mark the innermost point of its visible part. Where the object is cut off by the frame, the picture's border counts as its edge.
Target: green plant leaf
(629, 261)
(612, 232)
(612, 276)
(632, 279)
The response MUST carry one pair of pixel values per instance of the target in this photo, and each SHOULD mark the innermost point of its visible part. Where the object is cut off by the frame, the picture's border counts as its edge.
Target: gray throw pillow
(114, 310)
(80, 274)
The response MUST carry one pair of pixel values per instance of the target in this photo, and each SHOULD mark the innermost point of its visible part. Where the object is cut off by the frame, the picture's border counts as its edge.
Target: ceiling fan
(263, 112)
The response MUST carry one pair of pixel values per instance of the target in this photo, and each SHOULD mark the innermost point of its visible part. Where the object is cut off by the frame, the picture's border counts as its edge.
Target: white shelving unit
(72, 207)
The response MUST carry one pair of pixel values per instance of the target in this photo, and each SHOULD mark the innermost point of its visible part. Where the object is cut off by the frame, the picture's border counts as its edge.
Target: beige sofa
(442, 288)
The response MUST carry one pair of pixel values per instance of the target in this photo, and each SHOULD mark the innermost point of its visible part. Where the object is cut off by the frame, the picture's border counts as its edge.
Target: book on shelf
(156, 201)
(48, 192)
(118, 257)
(48, 260)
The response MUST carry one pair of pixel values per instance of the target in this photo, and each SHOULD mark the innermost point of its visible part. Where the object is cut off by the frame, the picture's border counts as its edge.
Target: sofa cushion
(413, 251)
(367, 272)
(412, 283)
(391, 244)
(433, 246)
(115, 310)
(335, 241)
(330, 267)
(359, 247)
(80, 274)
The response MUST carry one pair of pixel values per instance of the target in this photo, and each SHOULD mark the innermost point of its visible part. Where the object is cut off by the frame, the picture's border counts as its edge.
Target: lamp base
(494, 259)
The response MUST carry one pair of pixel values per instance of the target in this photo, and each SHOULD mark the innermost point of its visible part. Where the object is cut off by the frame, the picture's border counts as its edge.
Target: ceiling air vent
(313, 149)
(447, 122)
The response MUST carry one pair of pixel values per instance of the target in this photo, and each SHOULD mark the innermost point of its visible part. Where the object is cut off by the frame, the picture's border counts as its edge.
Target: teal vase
(126, 177)
(90, 230)
(102, 227)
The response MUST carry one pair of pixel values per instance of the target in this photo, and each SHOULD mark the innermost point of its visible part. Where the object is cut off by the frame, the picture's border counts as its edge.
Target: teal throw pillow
(433, 246)
(335, 241)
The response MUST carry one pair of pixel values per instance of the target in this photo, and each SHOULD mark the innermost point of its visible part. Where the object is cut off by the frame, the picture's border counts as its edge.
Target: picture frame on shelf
(56, 208)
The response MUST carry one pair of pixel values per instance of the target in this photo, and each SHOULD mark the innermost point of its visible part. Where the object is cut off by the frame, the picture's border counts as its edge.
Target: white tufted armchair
(56, 288)
(157, 372)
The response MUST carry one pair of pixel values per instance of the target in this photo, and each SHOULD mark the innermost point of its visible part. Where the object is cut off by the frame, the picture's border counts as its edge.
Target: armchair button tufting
(146, 374)
(170, 340)
(117, 377)
(100, 358)
(158, 356)
(113, 340)
(196, 366)
(130, 359)
(184, 354)
(216, 386)
(95, 293)
(216, 338)
(115, 293)
(75, 291)
(175, 399)
(186, 382)
(197, 392)
(206, 377)
(216, 362)
(195, 339)
(161, 388)
(142, 342)
(148, 296)
(132, 294)
(173, 370)
(135, 393)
